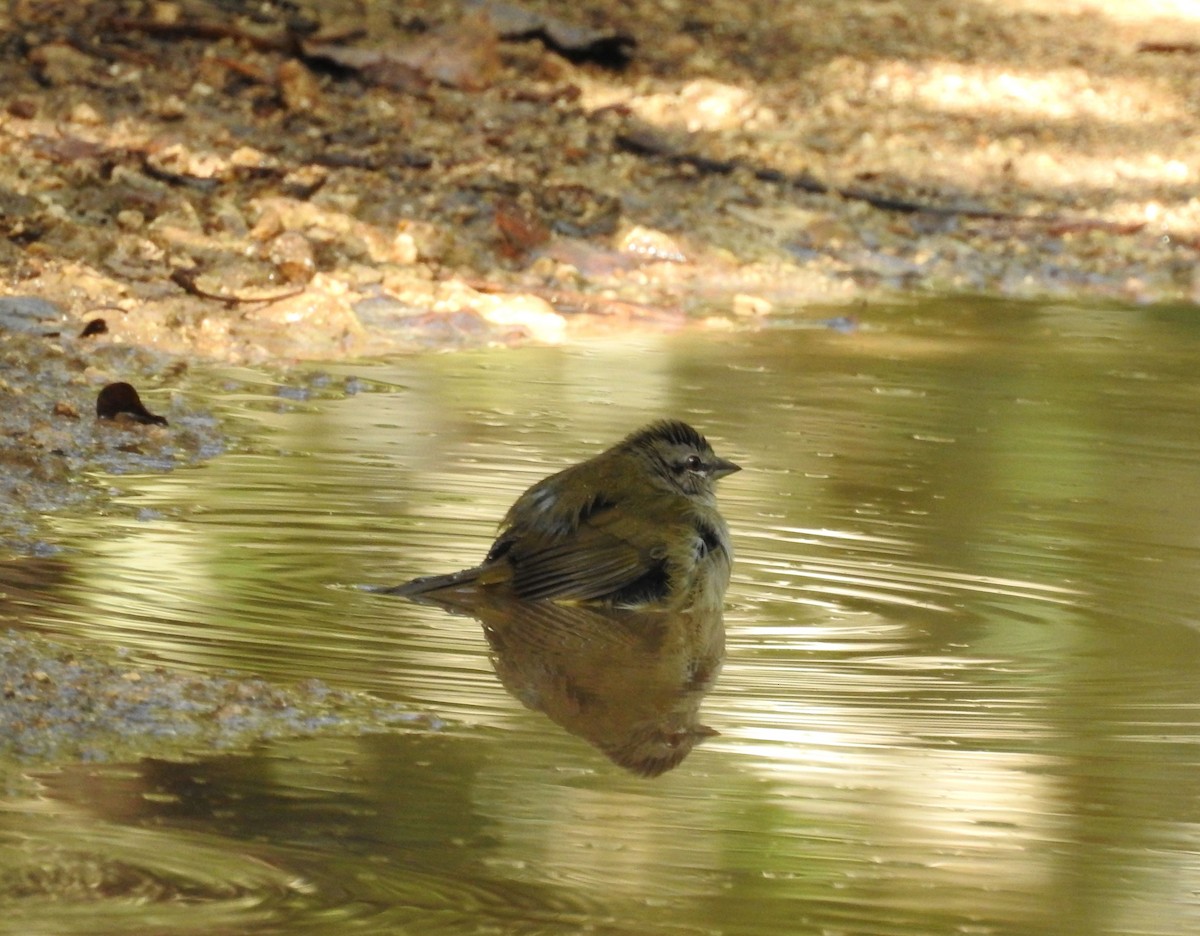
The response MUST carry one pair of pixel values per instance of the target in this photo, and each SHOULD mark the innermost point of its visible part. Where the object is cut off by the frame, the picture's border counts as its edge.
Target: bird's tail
(434, 583)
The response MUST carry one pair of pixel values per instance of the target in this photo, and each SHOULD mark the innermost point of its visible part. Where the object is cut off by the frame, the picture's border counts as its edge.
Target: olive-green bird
(636, 526)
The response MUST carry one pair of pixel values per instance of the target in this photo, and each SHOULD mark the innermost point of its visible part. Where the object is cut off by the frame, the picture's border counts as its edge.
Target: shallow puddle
(958, 691)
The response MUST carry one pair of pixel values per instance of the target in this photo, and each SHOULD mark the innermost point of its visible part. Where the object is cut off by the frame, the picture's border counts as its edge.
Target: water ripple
(68, 876)
(872, 569)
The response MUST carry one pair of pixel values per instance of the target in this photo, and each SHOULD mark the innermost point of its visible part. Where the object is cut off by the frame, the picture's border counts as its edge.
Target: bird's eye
(693, 463)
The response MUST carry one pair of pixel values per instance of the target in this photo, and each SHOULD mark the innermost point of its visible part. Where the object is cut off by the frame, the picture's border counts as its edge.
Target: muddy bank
(263, 182)
(53, 447)
(60, 704)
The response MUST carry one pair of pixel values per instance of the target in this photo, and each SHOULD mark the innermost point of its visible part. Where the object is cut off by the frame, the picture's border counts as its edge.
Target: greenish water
(959, 691)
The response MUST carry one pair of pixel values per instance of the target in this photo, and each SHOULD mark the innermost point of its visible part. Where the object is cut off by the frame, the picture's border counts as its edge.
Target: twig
(650, 144)
(186, 280)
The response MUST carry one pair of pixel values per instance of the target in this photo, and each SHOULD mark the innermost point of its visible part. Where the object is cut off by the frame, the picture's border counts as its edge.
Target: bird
(636, 526)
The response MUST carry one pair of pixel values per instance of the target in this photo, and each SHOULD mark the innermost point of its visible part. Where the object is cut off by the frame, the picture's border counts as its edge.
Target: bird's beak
(723, 467)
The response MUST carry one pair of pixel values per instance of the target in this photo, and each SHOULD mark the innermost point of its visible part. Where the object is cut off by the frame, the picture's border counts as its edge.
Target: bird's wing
(609, 556)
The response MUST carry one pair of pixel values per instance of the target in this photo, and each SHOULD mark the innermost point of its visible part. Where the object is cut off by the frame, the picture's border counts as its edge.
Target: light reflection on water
(959, 691)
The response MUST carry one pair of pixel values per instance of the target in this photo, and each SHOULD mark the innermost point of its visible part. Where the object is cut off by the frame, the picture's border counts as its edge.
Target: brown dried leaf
(465, 56)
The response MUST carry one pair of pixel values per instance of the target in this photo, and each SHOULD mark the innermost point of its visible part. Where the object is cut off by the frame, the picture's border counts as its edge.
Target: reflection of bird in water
(628, 682)
(635, 526)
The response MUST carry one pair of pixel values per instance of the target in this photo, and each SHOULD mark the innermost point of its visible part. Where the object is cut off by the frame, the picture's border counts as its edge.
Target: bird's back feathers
(633, 526)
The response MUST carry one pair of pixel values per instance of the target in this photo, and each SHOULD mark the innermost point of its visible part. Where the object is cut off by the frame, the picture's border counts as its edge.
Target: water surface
(958, 691)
